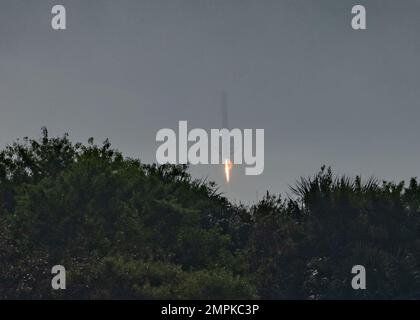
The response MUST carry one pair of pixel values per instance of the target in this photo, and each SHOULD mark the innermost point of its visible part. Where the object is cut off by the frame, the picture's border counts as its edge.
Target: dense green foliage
(124, 229)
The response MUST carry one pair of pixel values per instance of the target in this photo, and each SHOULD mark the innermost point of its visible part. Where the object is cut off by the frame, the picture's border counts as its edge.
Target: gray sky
(324, 94)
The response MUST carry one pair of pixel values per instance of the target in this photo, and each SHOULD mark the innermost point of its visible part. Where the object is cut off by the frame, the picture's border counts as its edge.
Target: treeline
(124, 229)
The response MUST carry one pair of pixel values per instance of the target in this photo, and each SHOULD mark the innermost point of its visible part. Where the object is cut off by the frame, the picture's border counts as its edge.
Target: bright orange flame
(228, 168)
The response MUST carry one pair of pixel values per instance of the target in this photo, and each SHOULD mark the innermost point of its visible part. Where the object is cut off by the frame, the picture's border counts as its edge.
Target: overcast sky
(324, 93)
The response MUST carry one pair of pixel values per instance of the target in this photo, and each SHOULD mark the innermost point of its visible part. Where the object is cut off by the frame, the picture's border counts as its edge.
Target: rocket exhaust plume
(228, 168)
(227, 163)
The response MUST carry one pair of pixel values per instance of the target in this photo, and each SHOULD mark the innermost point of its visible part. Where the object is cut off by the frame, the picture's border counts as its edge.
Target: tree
(124, 229)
